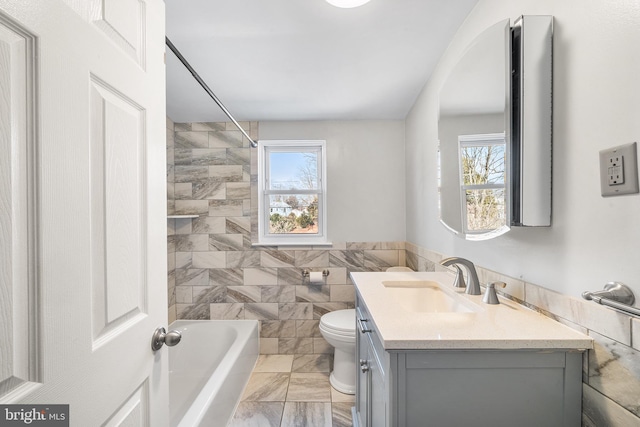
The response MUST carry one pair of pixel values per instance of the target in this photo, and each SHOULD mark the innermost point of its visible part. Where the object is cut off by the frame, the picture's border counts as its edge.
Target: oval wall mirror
(474, 138)
(494, 131)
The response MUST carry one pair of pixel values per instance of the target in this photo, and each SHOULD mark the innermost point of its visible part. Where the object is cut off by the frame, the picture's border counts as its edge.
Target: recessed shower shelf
(182, 216)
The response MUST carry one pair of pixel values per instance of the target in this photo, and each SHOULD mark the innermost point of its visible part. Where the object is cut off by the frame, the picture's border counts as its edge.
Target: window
(292, 193)
(482, 178)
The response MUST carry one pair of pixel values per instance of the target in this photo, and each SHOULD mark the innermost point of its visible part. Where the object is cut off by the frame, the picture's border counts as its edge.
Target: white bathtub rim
(198, 408)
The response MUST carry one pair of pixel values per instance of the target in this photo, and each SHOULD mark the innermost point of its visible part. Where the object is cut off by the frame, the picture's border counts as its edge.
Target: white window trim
(266, 239)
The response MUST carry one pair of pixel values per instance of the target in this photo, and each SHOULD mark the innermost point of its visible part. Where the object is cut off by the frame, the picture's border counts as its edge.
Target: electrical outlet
(619, 170)
(615, 171)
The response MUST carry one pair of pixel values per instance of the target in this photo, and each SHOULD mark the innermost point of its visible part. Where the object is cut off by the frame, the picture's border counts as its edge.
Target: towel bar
(615, 295)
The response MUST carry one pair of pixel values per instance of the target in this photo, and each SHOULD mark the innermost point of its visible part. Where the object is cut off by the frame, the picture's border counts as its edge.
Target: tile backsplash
(215, 272)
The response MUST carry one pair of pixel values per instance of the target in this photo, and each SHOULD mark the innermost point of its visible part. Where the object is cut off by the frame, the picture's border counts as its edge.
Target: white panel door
(82, 208)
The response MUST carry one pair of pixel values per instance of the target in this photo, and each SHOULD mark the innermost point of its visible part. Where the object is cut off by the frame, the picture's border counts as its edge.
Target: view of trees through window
(293, 209)
(483, 176)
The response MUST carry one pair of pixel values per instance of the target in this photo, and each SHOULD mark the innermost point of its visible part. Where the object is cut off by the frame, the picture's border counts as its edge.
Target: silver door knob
(161, 337)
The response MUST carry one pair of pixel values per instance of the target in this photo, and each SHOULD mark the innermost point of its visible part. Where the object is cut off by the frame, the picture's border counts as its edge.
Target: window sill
(292, 244)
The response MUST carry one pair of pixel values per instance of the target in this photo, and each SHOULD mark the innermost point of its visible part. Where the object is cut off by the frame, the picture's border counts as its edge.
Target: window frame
(265, 147)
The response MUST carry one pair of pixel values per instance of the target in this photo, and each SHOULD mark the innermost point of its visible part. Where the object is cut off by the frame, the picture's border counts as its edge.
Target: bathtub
(209, 369)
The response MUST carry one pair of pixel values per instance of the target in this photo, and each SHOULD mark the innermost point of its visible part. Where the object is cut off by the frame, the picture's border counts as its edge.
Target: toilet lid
(340, 320)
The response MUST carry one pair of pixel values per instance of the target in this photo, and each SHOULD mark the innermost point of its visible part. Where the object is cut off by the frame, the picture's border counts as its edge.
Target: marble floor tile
(309, 387)
(338, 397)
(341, 414)
(312, 363)
(258, 414)
(266, 387)
(274, 363)
(306, 414)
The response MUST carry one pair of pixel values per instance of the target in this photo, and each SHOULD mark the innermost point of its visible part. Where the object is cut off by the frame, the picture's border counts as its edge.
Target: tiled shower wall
(215, 273)
(611, 371)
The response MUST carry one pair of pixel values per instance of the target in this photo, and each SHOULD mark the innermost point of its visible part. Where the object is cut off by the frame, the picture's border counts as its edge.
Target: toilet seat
(349, 336)
(340, 322)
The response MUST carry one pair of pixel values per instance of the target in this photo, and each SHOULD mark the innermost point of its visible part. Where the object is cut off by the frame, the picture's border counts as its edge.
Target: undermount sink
(426, 296)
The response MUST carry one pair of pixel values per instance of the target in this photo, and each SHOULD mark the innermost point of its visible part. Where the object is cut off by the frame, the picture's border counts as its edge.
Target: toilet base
(343, 376)
(341, 387)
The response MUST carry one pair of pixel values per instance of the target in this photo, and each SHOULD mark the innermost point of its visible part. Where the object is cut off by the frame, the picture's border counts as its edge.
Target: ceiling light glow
(346, 4)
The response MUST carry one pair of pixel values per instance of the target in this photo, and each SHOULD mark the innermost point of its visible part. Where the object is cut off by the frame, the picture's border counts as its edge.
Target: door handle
(161, 337)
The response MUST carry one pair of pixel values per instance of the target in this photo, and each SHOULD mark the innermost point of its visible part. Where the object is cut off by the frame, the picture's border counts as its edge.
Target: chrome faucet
(473, 287)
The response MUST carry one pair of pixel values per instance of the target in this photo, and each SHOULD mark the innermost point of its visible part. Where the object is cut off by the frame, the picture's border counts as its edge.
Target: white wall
(365, 175)
(596, 105)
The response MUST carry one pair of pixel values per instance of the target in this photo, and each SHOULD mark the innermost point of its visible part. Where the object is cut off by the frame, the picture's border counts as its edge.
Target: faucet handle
(490, 296)
(458, 282)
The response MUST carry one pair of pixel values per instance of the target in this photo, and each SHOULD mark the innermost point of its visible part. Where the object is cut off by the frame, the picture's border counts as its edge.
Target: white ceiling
(305, 59)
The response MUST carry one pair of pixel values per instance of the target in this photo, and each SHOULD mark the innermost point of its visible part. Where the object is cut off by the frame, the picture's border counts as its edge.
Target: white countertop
(507, 325)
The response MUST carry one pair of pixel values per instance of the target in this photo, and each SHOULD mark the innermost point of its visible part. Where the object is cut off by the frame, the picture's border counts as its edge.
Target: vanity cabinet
(456, 387)
(371, 399)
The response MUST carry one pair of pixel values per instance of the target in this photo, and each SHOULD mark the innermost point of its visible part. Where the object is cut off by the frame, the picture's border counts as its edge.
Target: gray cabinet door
(378, 394)
(364, 379)
(490, 387)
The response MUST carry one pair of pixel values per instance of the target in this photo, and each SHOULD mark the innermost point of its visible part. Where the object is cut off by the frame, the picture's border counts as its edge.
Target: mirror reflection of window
(482, 177)
(474, 100)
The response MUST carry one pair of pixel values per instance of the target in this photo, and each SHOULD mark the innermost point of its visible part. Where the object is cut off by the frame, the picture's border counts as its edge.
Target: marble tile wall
(611, 371)
(216, 273)
(171, 249)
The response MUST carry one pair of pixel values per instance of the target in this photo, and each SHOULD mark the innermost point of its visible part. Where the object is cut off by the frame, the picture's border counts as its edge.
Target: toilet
(339, 329)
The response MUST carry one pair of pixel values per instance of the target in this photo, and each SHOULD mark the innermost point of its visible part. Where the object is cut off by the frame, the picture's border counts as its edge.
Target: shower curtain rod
(213, 96)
